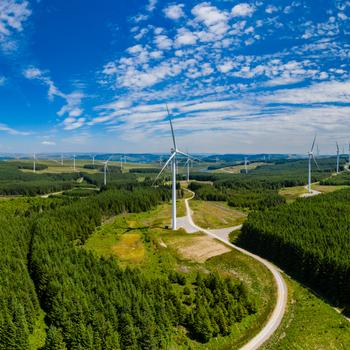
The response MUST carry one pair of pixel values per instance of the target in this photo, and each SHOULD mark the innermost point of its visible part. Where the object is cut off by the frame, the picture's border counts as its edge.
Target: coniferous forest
(91, 302)
(309, 239)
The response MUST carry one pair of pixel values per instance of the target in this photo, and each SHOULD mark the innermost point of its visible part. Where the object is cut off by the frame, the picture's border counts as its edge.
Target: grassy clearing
(328, 189)
(130, 248)
(309, 324)
(236, 169)
(216, 214)
(292, 193)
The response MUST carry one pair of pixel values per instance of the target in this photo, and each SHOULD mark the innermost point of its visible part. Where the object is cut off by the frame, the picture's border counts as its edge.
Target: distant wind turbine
(74, 162)
(105, 168)
(62, 159)
(172, 160)
(311, 157)
(337, 157)
(246, 164)
(34, 161)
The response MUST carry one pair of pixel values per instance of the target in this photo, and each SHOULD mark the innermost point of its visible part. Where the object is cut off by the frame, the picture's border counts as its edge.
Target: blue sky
(239, 76)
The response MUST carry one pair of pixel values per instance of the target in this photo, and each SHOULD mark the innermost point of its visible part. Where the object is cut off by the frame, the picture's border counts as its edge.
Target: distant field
(236, 169)
(216, 214)
(68, 166)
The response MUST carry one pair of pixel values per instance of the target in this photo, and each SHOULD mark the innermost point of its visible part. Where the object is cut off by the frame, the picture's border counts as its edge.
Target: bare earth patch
(199, 248)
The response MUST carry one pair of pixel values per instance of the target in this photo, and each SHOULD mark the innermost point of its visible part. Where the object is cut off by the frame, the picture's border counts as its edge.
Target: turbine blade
(313, 144)
(188, 156)
(315, 162)
(171, 126)
(337, 146)
(165, 165)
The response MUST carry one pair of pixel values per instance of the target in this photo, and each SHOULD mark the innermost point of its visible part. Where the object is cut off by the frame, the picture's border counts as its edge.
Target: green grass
(328, 189)
(215, 214)
(292, 193)
(37, 338)
(309, 324)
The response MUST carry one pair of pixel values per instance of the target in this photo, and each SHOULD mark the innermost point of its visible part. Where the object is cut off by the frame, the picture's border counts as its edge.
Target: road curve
(282, 291)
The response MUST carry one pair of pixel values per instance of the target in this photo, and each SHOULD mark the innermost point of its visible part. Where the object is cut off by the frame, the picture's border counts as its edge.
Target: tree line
(309, 239)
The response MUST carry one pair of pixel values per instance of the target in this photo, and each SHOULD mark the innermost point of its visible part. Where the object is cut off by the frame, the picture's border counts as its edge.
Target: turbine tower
(105, 168)
(74, 162)
(62, 159)
(311, 156)
(187, 164)
(93, 160)
(172, 160)
(337, 158)
(245, 164)
(34, 159)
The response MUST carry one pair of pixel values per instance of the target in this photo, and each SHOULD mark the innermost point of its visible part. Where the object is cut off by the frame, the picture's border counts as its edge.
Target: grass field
(328, 189)
(215, 214)
(292, 193)
(309, 324)
(236, 169)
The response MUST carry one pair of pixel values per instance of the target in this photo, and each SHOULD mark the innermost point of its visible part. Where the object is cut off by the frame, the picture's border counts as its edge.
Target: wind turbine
(62, 159)
(187, 164)
(93, 160)
(172, 160)
(337, 157)
(105, 168)
(311, 156)
(245, 164)
(74, 162)
(34, 160)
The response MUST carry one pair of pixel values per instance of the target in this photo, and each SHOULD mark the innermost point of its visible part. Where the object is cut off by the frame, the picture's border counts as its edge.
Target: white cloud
(214, 19)
(48, 143)
(174, 11)
(73, 100)
(12, 16)
(11, 131)
(225, 67)
(242, 10)
(271, 9)
(2, 80)
(163, 42)
(73, 123)
(185, 37)
(151, 5)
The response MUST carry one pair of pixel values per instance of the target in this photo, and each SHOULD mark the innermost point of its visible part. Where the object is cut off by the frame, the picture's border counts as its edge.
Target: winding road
(282, 291)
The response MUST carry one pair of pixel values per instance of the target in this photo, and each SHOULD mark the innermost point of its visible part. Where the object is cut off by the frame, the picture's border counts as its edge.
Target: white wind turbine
(337, 157)
(246, 164)
(34, 162)
(311, 157)
(105, 168)
(62, 159)
(74, 162)
(172, 160)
